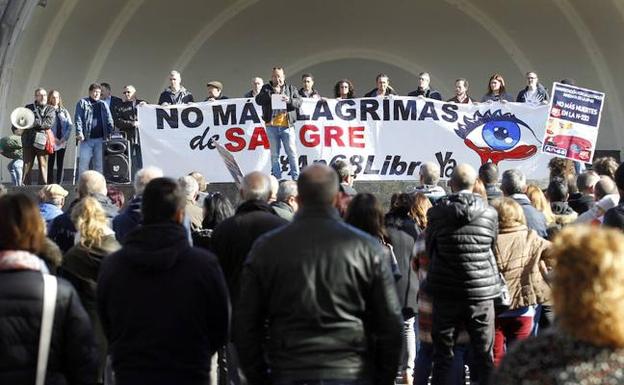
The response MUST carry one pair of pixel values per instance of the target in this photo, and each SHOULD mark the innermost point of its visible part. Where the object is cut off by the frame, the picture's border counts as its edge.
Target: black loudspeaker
(117, 161)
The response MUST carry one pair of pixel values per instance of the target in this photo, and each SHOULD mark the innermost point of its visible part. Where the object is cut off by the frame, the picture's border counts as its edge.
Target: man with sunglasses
(126, 120)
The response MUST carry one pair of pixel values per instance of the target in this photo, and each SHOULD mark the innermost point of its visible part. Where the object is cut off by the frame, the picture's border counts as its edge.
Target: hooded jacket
(460, 240)
(73, 357)
(164, 307)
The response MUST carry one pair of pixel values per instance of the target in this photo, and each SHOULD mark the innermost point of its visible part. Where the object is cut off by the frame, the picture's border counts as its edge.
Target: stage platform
(382, 189)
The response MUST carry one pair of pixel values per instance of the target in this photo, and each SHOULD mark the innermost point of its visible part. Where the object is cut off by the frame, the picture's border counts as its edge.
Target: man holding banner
(280, 102)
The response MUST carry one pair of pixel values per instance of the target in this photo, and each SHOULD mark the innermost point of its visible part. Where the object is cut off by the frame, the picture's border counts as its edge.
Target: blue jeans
(424, 361)
(277, 136)
(16, 168)
(91, 149)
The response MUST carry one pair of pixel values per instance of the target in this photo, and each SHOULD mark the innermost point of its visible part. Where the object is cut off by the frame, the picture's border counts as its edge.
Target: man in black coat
(163, 304)
(463, 276)
(126, 119)
(614, 217)
(233, 238)
(318, 301)
(584, 198)
(424, 88)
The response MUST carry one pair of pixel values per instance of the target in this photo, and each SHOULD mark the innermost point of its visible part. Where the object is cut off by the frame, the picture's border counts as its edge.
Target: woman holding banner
(496, 90)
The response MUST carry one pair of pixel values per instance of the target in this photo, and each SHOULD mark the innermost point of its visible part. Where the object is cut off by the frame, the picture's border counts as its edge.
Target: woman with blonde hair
(539, 201)
(81, 264)
(520, 254)
(588, 295)
(479, 188)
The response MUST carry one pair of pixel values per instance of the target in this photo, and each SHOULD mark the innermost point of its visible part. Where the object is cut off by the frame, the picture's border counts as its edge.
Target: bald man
(318, 289)
(463, 278)
(607, 197)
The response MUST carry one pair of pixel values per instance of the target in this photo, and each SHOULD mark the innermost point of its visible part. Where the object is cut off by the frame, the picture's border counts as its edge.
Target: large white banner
(385, 138)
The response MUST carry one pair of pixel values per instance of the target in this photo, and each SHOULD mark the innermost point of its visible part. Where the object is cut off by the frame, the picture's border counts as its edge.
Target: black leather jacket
(323, 293)
(460, 239)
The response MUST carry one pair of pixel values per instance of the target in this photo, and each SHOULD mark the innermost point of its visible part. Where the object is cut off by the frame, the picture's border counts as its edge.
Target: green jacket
(11, 147)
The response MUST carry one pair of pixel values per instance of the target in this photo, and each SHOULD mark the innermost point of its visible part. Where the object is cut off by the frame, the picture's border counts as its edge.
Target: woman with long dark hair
(344, 89)
(217, 208)
(496, 90)
(72, 356)
(365, 213)
(408, 213)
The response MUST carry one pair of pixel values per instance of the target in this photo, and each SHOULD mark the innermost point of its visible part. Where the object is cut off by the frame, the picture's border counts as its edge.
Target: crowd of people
(485, 278)
(101, 114)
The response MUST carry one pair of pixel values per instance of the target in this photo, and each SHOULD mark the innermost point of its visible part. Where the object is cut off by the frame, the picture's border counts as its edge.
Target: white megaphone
(22, 119)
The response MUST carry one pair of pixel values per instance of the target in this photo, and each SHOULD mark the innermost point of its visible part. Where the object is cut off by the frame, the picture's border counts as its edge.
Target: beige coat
(518, 255)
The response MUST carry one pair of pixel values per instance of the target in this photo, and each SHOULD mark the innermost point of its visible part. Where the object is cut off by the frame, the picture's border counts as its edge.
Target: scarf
(21, 260)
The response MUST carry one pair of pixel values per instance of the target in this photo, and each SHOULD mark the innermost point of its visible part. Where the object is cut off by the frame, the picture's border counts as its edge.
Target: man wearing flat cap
(214, 90)
(52, 200)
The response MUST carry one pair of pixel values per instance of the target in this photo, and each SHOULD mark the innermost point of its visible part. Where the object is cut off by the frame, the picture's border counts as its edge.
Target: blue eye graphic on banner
(497, 136)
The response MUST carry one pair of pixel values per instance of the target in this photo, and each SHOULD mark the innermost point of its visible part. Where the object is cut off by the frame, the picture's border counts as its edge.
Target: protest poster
(572, 123)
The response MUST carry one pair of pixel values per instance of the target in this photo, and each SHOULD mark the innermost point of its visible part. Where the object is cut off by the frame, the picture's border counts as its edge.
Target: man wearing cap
(52, 200)
(214, 91)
